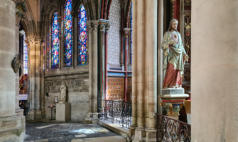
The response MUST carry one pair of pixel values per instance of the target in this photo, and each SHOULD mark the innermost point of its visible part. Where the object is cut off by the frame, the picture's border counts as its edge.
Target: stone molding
(75, 84)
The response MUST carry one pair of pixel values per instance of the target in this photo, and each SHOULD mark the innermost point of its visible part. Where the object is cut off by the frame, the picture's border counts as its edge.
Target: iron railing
(172, 130)
(117, 112)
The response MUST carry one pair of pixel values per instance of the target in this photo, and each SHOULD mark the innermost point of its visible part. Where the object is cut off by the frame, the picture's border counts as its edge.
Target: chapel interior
(118, 71)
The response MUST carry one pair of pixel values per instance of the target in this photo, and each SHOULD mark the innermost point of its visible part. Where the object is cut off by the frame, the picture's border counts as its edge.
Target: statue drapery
(173, 59)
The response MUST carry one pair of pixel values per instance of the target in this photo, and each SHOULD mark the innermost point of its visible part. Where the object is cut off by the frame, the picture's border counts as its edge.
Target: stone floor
(69, 132)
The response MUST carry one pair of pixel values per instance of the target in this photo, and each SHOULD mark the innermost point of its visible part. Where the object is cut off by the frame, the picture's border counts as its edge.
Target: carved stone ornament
(15, 63)
(63, 93)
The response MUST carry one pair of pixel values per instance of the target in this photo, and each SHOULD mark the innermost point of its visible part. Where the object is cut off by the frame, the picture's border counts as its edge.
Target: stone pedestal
(63, 112)
(174, 93)
(172, 101)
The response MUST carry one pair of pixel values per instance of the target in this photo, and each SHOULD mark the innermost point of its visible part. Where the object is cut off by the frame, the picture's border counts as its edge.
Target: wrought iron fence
(171, 130)
(117, 112)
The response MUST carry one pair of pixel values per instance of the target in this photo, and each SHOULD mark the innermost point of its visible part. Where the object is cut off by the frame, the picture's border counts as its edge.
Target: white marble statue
(63, 93)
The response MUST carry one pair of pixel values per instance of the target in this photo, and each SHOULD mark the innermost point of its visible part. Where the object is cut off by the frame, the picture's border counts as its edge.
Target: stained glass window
(82, 37)
(55, 41)
(25, 56)
(68, 33)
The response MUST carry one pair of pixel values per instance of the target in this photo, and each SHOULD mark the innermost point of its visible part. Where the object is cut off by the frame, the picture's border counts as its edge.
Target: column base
(139, 135)
(132, 130)
(34, 115)
(92, 117)
(12, 128)
(151, 135)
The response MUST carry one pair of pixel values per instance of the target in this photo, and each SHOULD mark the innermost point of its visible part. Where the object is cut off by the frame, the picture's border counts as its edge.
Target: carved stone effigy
(63, 93)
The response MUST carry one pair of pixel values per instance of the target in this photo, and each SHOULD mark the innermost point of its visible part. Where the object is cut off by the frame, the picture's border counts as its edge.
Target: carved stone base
(151, 135)
(92, 117)
(132, 130)
(63, 112)
(12, 128)
(139, 135)
(174, 93)
(34, 115)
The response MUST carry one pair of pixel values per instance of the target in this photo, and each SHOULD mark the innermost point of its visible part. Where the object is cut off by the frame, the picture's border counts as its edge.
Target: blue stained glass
(82, 37)
(68, 33)
(55, 41)
(48, 51)
(25, 57)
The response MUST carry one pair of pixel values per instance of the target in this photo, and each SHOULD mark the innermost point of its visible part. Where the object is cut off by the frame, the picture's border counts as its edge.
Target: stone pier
(12, 126)
(214, 71)
(144, 91)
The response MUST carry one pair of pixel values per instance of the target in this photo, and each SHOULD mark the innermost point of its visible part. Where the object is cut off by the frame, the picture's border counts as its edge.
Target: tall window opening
(24, 68)
(25, 55)
(82, 36)
(68, 43)
(55, 41)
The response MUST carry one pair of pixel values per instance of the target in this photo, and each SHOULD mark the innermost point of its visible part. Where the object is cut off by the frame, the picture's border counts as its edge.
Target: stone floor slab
(67, 132)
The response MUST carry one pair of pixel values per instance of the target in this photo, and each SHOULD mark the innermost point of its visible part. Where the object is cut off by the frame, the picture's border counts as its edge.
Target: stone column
(160, 51)
(151, 69)
(42, 78)
(138, 75)
(17, 76)
(101, 52)
(107, 27)
(90, 66)
(34, 73)
(214, 71)
(38, 80)
(134, 73)
(93, 65)
(145, 58)
(11, 125)
(126, 38)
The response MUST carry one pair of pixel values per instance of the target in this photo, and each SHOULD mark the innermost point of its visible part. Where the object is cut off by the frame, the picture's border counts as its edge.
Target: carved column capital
(92, 25)
(126, 32)
(107, 27)
(95, 26)
(104, 25)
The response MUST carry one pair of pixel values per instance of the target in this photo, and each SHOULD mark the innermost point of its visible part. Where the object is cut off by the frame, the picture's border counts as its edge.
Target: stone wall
(78, 93)
(114, 33)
